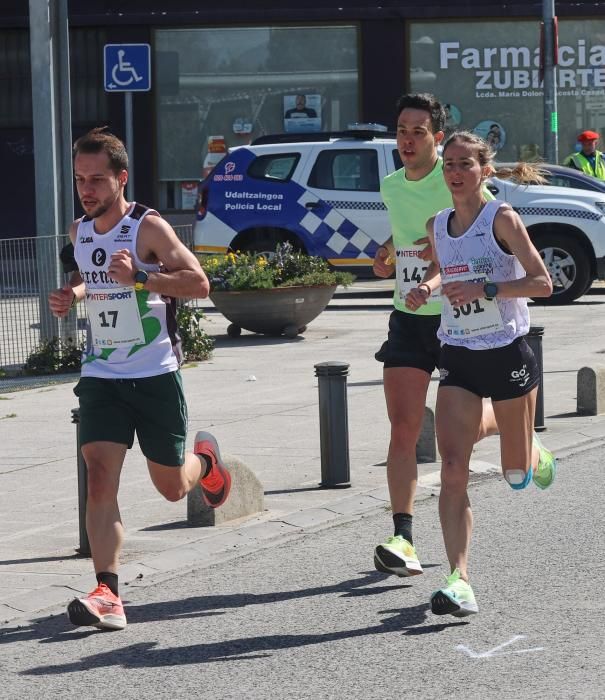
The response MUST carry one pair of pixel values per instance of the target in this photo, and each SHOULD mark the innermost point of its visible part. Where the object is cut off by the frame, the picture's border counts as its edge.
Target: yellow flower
(262, 262)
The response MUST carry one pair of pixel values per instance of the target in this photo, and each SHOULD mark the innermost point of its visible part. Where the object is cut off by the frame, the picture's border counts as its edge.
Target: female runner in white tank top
(489, 267)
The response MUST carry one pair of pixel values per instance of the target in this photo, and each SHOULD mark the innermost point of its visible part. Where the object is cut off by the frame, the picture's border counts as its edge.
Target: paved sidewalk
(259, 397)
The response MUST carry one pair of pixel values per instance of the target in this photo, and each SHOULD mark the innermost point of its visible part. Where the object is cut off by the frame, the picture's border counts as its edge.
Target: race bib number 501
(114, 317)
(477, 318)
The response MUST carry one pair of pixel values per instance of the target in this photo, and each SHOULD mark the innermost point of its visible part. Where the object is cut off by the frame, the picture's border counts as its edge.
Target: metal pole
(333, 424)
(550, 48)
(129, 145)
(84, 548)
(534, 340)
(49, 48)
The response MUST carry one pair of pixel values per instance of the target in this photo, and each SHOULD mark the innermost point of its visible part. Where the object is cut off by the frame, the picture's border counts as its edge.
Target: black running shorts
(412, 342)
(112, 410)
(501, 373)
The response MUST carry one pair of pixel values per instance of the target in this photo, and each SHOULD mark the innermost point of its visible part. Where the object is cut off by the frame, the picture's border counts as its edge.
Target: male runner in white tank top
(131, 268)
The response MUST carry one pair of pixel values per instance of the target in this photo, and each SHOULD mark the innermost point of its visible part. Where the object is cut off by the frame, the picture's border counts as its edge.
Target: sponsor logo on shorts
(520, 377)
(443, 373)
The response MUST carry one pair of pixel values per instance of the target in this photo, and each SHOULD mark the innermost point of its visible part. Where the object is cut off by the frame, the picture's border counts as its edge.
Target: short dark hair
(99, 140)
(429, 103)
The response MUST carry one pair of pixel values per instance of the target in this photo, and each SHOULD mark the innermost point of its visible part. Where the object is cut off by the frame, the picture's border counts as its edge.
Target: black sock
(403, 526)
(110, 580)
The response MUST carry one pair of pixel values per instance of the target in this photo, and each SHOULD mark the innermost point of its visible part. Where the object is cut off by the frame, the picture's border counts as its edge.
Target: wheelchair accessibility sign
(127, 67)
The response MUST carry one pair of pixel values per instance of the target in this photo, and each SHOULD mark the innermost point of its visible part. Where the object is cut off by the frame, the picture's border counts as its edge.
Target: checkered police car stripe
(341, 235)
(376, 206)
(567, 213)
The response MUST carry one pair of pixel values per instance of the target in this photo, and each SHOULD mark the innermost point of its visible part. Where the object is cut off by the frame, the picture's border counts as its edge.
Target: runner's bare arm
(420, 295)
(182, 277)
(61, 300)
(509, 229)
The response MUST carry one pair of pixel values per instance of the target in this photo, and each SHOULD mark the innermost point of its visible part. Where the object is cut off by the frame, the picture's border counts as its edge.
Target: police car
(321, 192)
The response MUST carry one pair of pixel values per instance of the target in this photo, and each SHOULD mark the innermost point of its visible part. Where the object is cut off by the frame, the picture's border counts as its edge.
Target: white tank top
(476, 255)
(130, 334)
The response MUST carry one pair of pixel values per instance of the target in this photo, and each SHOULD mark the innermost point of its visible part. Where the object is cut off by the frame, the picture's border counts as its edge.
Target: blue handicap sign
(127, 67)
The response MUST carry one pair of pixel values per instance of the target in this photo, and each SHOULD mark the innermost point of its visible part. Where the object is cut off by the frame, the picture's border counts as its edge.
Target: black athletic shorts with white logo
(501, 373)
(412, 341)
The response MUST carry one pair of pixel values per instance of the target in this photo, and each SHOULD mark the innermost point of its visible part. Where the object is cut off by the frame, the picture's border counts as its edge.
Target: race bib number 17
(114, 317)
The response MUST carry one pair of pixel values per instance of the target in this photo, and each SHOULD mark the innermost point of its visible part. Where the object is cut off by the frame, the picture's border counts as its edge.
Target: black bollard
(534, 340)
(84, 548)
(333, 424)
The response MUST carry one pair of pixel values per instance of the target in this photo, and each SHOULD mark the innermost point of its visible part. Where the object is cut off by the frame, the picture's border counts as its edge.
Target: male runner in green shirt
(412, 195)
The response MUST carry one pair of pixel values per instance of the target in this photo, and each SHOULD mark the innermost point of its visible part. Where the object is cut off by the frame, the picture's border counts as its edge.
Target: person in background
(301, 109)
(588, 160)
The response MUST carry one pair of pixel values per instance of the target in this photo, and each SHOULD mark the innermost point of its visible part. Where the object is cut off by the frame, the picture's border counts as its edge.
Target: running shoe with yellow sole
(101, 608)
(216, 485)
(545, 472)
(457, 598)
(397, 556)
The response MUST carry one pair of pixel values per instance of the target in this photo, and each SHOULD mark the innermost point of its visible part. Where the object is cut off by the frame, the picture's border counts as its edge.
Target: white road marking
(496, 650)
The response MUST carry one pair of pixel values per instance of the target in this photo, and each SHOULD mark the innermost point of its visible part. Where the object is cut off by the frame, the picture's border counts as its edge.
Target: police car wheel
(568, 265)
(233, 331)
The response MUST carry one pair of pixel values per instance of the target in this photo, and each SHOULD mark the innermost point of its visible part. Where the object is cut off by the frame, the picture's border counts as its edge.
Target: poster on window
(302, 113)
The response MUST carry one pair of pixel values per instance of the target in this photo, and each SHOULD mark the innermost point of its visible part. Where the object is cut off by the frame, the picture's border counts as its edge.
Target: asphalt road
(312, 619)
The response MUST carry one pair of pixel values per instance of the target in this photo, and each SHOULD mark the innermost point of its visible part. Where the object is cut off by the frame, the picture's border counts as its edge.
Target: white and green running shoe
(546, 470)
(397, 556)
(457, 598)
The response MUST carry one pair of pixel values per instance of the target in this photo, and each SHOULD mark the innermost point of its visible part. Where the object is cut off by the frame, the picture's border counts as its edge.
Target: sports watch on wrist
(140, 279)
(490, 289)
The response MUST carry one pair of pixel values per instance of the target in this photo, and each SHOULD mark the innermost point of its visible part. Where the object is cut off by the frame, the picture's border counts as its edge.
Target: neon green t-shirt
(410, 204)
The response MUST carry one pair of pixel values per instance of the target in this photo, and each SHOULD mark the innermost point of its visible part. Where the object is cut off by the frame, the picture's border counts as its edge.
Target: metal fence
(25, 279)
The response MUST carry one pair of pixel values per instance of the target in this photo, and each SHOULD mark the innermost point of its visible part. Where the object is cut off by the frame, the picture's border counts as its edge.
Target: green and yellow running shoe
(545, 472)
(457, 598)
(397, 556)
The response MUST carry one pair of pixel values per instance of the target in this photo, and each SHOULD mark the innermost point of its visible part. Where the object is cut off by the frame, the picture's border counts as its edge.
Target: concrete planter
(280, 311)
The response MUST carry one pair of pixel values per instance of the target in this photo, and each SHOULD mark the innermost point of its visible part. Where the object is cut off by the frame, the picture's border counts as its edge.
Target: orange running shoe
(217, 484)
(101, 608)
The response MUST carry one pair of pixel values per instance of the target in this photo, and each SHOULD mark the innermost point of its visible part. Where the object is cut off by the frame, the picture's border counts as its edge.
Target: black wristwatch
(490, 289)
(140, 279)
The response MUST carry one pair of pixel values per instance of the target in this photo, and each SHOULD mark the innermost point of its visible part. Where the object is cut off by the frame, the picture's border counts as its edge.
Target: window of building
(241, 83)
(487, 74)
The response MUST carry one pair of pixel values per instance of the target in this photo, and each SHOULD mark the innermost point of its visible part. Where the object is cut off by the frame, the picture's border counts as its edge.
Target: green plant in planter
(286, 268)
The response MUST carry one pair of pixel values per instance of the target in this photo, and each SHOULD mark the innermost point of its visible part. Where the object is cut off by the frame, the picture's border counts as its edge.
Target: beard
(101, 208)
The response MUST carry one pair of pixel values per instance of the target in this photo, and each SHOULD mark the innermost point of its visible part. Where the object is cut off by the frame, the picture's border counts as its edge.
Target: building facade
(250, 68)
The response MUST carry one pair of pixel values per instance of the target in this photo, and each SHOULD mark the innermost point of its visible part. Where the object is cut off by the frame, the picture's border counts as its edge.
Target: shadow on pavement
(58, 628)
(145, 655)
